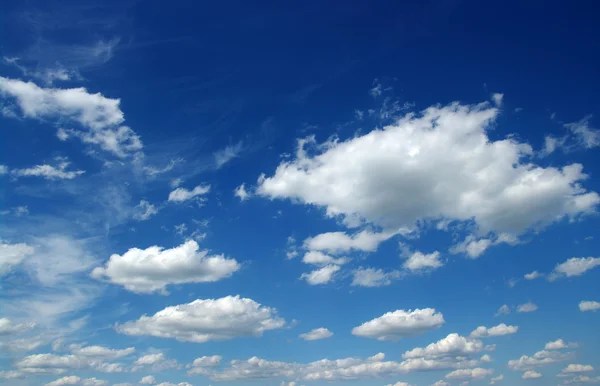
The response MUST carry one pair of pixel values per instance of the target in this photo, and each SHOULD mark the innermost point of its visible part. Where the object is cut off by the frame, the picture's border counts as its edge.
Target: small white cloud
(321, 259)
(144, 210)
(322, 275)
(338, 242)
(182, 194)
(452, 345)
(49, 172)
(533, 275)
(497, 98)
(527, 307)
(62, 134)
(8, 327)
(317, 334)
(499, 330)
(585, 135)
(371, 277)
(419, 261)
(227, 154)
(504, 310)
(400, 324)
(148, 380)
(559, 344)
(576, 368)
(540, 358)
(496, 379)
(531, 375)
(588, 305)
(12, 255)
(241, 193)
(469, 374)
(575, 266)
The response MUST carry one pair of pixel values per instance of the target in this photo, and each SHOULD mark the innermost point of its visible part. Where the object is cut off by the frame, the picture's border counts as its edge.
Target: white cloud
(182, 194)
(150, 359)
(227, 154)
(559, 344)
(174, 384)
(589, 306)
(8, 327)
(205, 320)
(204, 364)
(576, 368)
(148, 380)
(531, 374)
(100, 115)
(100, 352)
(12, 255)
(499, 330)
(3, 169)
(400, 324)
(497, 98)
(527, 307)
(371, 277)
(584, 134)
(575, 266)
(504, 310)
(241, 193)
(19, 345)
(492, 182)
(317, 334)
(540, 358)
(144, 210)
(452, 345)
(398, 384)
(469, 374)
(418, 261)
(49, 172)
(440, 383)
(154, 268)
(322, 275)
(496, 379)
(321, 259)
(533, 275)
(339, 242)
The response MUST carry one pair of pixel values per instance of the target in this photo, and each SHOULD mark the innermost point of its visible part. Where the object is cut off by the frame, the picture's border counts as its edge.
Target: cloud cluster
(499, 330)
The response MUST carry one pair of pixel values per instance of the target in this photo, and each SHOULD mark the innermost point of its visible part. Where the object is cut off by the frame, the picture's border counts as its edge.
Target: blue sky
(361, 193)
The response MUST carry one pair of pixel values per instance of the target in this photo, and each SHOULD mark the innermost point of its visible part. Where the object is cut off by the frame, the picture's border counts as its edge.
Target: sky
(299, 193)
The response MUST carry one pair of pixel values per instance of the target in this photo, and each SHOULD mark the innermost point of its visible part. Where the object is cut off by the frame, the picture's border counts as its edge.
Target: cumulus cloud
(576, 368)
(527, 307)
(205, 320)
(496, 379)
(182, 194)
(575, 266)
(321, 259)
(440, 383)
(492, 183)
(499, 330)
(400, 324)
(100, 352)
(587, 305)
(148, 380)
(317, 334)
(540, 358)
(101, 116)
(451, 345)
(241, 193)
(203, 365)
(419, 261)
(339, 242)
(154, 268)
(322, 275)
(531, 374)
(470, 374)
(77, 381)
(372, 277)
(559, 344)
(533, 275)
(12, 255)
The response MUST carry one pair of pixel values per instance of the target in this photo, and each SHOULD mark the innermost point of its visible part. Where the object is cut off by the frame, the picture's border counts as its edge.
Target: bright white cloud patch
(241, 192)
(371, 277)
(559, 344)
(589, 306)
(49, 172)
(499, 330)
(77, 381)
(205, 320)
(317, 334)
(339, 242)
(452, 345)
(182, 194)
(8, 327)
(400, 324)
(154, 268)
(322, 275)
(540, 358)
(419, 261)
(533, 275)
(469, 374)
(144, 210)
(12, 255)
(100, 352)
(576, 368)
(531, 374)
(527, 307)
(204, 365)
(575, 267)
(408, 171)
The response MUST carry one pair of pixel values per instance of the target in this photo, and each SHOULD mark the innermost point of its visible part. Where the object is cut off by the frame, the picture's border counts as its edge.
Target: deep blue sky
(449, 133)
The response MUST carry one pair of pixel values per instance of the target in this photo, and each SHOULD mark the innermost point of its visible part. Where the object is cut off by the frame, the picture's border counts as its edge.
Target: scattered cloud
(340, 242)
(154, 268)
(227, 154)
(144, 210)
(496, 379)
(533, 275)
(49, 172)
(182, 194)
(504, 310)
(559, 344)
(499, 330)
(148, 380)
(317, 334)
(321, 275)
(419, 261)
(575, 266)
(12, 255)
(587, 305)
(372, 277)
(470, 374)
(241, 193)
(527, 307)
(540, 358)
(400, 324)
(531, 374)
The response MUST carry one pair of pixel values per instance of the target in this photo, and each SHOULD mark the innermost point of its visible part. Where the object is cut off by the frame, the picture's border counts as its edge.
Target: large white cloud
(154, 268)
(400, 324)
(317, 334)
(439, 164)
(12, 255)
(205, 320)
(499, 330)
(101, 116)
(452, 345)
